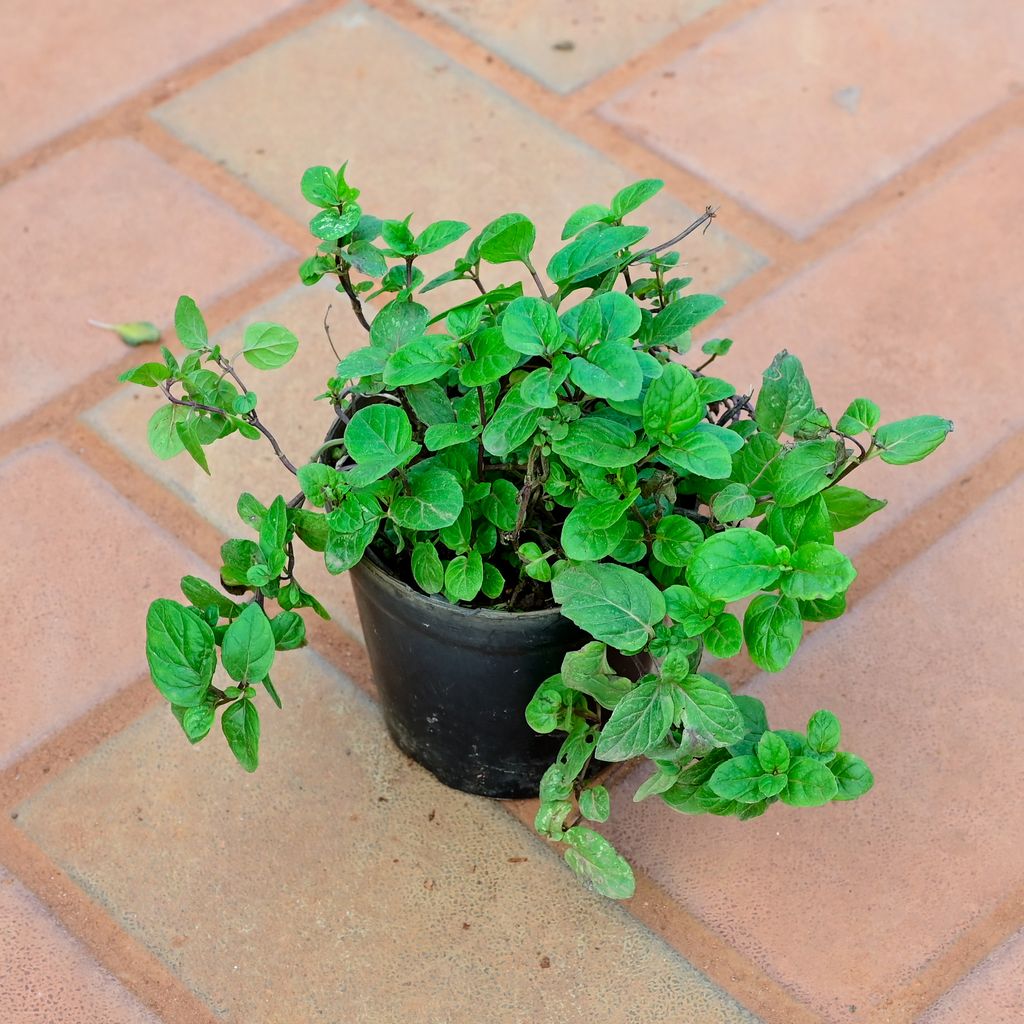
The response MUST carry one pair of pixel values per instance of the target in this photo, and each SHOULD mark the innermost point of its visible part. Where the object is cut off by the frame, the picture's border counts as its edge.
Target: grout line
(126, 116)
(122, 955)
(574, 113)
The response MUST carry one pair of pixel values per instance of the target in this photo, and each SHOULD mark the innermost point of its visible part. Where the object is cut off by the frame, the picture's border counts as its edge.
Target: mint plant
(522, 451)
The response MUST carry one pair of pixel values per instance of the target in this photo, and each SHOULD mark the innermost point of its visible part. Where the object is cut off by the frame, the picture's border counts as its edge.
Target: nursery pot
(454, 682)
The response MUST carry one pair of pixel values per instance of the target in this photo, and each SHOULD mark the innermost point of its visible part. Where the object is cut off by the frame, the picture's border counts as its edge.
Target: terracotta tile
(131, 235)
(567, 44)
(287, 407)
(802, 109)
(844, 905)
(82, 564)
(422, 133)
(47, 976)
(993, 993)
(340, 875)
(65, 62)
(918, 312)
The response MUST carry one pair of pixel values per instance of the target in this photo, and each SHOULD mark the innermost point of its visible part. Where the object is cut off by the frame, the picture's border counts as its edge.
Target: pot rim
(372, 564)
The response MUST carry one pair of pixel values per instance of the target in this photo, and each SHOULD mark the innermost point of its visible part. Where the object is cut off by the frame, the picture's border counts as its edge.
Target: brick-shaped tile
(65, 62)
(82, 565)
(801, 109)
(48, 977)
(422, 134)
(567, 44)
(341, 882)
(121, 244)
(845, 904)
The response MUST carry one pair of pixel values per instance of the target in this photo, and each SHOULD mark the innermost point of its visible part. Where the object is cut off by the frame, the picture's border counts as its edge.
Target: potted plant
(546, 513)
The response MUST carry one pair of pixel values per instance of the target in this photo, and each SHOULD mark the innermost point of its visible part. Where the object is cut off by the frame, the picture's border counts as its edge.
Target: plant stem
(537, 281)
(705, 218)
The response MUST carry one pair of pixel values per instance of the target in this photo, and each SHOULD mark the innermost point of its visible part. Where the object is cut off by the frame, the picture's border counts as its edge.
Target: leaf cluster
(551, 441)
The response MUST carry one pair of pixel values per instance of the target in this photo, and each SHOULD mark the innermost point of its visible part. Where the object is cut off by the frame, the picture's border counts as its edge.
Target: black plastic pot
(454, 682)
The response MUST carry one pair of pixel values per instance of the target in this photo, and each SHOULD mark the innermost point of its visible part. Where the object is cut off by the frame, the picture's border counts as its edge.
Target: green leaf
(196, 722)
(180, 650)
(740, 778)
(688, 609)
(610, 370)
(629, 198)
(248, 648)
(861, 416)
(149, 375)
(907, 441)
(818, 571)
(397, 237)
(274, 529)
(427, 570)
(800, 524)
(772, 628)
(512, 424)
(599, 441)
(595, 803)
(189, 324)
(612, 603)
(675, 540)
(591, 254)
(785, 399)
(848, 507)
(772, 752)
(809, 783)
(672, 326)
(583, 540)
(550, 818)
(367, 259)
(289, 631)
(639, 721)
(434, 500)
(320, 186)
(162, 431)
(345, 549)
(853, 777)
(531, 326)
(823, 732)
(716, 347)
(241, 725)
(379, 438)
(547, 707)
(492, 359)
(189, 438)
(398, 322)
(464, 577)
(507, 239)
(712, 710)
(724, 637)
(421, 360)
(268, 346)
(672, 404)
(430, 403)
(700, 452)
(714, 389)
(805, 470)
(438, 235)
(501, 506)
(540, 387)
(202, 595)
(732, 504)
(494, 582)
(823, 609)
(583, 218)
(444, 435)
(597, 864)
(662, 780)
(318, 481)
(135, 333)
(331, 225)
(587, 671)
(734, 564)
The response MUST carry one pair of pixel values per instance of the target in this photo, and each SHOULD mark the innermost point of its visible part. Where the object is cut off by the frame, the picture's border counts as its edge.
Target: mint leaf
(734, 564)
(181, 653)
(248, 648)
(241, 726)
(911, 440)
(772, 628)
